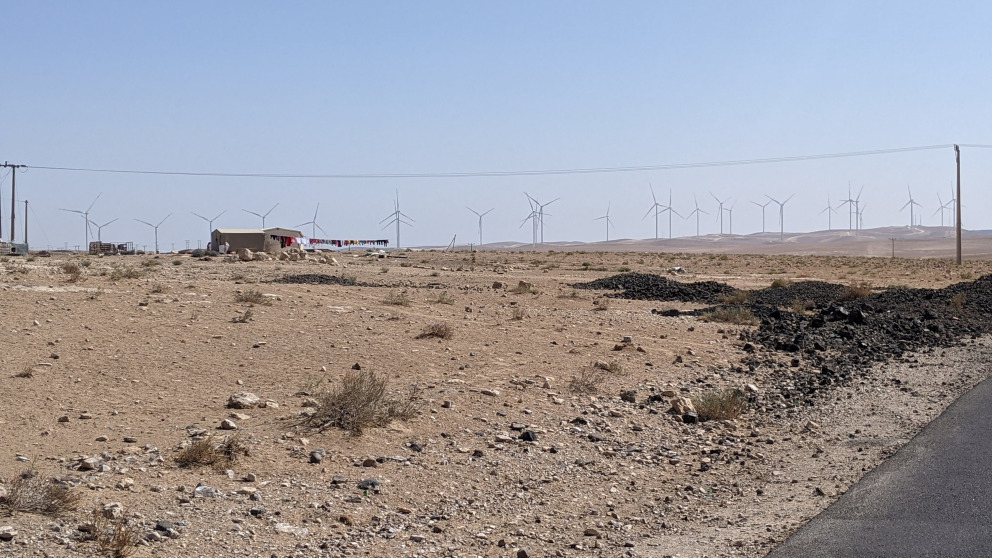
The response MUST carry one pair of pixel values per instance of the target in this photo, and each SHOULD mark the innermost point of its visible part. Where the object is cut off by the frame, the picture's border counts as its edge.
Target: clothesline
(342, 243)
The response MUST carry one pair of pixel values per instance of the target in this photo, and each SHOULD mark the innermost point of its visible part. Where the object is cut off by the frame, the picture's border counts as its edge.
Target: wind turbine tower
(781, 215)
(86, 218)
(609, 223)
(696, 212)
(156, 228)
(829, 210)
(720, 210)
(730, 214)
(261, 215)
(762, 206)
(480, 215)
(313, 223)
(99, 230)
(396, 217)
(210, 222)
(540, 212)
(910, 204)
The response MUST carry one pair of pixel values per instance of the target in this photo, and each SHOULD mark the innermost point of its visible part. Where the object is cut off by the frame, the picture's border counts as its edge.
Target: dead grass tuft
(360, 401)
(32, 493)
(613, 367)
(958, 300)
(723, 404)
(243, 318)
(735, 297)
(396, 299)
(601, 304)
(444, 298)
(586, 382)
(855, 291)
(125, 272)
(252, 296)
(737, 315)
(438, 330)
(74, 273)
(781, 283)
(117, 537)
(208, 451)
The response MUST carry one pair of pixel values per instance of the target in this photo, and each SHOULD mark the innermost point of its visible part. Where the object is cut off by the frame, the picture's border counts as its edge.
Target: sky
(434, 89)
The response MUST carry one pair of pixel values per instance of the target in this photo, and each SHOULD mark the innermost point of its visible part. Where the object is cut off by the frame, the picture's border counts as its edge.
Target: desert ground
(540, 426)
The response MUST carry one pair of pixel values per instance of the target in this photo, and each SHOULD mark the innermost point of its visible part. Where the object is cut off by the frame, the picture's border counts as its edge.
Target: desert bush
(73, 272)
(781, 282)
(518, 314)
(252, 296)
(855, 291)
(208, 451)
(396, 299)
(151, 263)
(383, 269)
(736, 296)
(800, 306)
(158, 288)
(243, 318)
(967, 275)
(360, 401)
(444, 298)
(33, 493)
(85, 263)
(958, 300)
(738, 315)
(601, 304)
(115, 537)
(613, 367)
(524, 287)
(723, 404)
(438, 330)
(349, 279)
(125, 272)
(573, 294)
(587, 381)
(177, 262)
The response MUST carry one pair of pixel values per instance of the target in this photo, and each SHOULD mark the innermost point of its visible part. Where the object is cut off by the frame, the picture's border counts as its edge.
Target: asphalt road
(932, 498)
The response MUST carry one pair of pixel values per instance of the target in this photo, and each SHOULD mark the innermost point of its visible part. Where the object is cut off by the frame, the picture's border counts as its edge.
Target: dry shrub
(738, 315)
(524, 287)
(158, 288)
(125, 272)
(208, 451)
(800, 306)
(573, 294)
(518, 314)
(439, 330)
(722, 404)
(587, 381)
(613, 367)
(252, 296)
(781, 283)
(32, 493)
(28, 372)
(855, 291)
(243, 318)
(396, 299)
(361, 401)
(73, 271)
(735, 297)
(116, 538)
(601, 304)
(958, 300)
(444, 298)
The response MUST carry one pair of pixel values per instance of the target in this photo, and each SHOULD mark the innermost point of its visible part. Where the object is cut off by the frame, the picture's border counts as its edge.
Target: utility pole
(13, 194)
(25, 223)
(957, 161)
(893, 247)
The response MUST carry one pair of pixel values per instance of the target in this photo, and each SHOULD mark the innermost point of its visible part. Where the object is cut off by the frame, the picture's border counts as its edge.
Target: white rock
(228, 424)
(243, 400)
(290, 530)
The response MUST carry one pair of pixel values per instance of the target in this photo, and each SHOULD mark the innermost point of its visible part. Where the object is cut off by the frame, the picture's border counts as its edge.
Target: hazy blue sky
(444, 87)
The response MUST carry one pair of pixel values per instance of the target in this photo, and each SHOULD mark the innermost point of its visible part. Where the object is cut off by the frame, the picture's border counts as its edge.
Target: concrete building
(256, 240)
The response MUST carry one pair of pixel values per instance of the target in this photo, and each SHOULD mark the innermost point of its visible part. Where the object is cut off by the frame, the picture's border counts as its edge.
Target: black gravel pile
(647, 286)
(320, 279)
(817, 293)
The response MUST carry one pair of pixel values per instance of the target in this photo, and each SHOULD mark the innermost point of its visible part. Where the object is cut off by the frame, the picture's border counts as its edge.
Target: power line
(594, 170)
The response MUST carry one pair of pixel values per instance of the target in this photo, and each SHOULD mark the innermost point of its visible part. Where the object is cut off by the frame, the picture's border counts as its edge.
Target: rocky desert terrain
(560, 403)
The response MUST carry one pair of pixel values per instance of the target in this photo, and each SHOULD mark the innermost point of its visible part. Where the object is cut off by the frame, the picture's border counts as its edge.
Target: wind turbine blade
(200, 216)
(94, 202)
(487, 212)
(906, 205)
(472, 210)
(652, 193)
(252, 212)
(787, 199)
(218, 215)
(145, 222)
(321, 229)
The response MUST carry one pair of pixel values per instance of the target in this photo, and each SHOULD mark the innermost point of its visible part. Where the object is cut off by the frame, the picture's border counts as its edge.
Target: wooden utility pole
(13, 194)
(957, 161)
(25, 223)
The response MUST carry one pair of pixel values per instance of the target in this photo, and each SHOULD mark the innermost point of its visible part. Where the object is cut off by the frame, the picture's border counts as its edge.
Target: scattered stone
(228, 424)
(418, 538)
(630, 395)
(130, 440)
(680, 405)
(113, 510)
(356, 366)
(90, 464)
(369, 484)
(243, 400)
(523, 553)
(371, 463)
(291, 530)
(204, 491)
(164, 525)
(316, 456)
(7, 533)
(101, 439)
(64, 418)
(590, 532)
(528, 436)
(337, 480)
(489, 392)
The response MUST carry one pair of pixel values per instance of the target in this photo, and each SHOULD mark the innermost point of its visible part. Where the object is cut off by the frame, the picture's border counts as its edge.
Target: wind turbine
(313, 229)
(762, 206)
(696, 212)
(719, 209)
(781, 215)
(532, 217)
(910, 204)
(857, 208)
(210, 222)
(262, 215)
(730, 213)
(86, 218)
(397, 217)
(861, 216)
(609, 223)
(656, 208)
(480, 215)
(156, 228)
(941, 210)
(829, 210)
(540, 211)
(99, 229)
